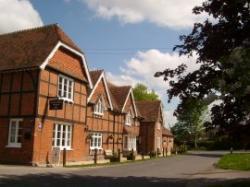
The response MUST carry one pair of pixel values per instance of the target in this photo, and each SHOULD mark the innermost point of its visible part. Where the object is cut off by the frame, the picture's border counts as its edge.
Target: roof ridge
(31, 29)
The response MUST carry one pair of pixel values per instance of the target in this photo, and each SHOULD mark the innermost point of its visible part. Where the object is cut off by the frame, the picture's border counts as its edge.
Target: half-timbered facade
(37, 66)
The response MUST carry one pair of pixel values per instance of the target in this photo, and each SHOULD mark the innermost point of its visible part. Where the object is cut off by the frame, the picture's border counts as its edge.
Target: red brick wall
(72, 113)
(18, 90)
(106, 124)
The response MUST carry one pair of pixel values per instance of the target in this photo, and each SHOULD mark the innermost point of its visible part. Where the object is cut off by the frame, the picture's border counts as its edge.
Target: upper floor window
(15, 134)
(62, 135)
(99, 107)
(96, 141)
(65, 88)
(128, 119)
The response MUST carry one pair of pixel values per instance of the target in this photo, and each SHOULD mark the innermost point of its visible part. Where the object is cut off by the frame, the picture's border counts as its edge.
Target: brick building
(53, 107)
(36, 66)
(151, 126)
(167, 141)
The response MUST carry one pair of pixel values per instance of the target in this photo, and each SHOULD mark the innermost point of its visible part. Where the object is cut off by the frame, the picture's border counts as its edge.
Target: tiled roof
(166, 132)
(95, 74)
(119, 95)
(29, 48)
(149, 110)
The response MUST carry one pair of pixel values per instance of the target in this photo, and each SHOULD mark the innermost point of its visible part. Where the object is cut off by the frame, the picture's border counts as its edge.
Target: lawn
(237, 161)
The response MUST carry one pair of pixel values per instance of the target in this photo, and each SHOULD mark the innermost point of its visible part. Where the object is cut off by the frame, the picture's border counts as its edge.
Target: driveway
(194, 169)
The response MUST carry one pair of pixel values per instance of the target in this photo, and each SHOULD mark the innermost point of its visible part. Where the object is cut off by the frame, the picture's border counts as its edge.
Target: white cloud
(18, 14)
(142, 68)
(167, 13)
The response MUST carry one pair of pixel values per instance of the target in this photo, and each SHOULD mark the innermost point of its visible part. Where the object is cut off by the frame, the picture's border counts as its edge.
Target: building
(54, 110)
(167, 141)
(37, 66)
(151, 126)
(126, 114)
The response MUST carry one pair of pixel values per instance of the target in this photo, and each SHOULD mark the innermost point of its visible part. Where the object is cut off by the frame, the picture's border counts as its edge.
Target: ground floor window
(96, 141)
(129, 143)
(62, 136)
(14, 138)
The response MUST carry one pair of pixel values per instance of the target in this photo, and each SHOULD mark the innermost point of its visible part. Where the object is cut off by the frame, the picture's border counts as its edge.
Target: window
(128, 118)
(65, 88)
(62, 135)
(129, 143)
(15, 133)
(99, 108)
(96, 141)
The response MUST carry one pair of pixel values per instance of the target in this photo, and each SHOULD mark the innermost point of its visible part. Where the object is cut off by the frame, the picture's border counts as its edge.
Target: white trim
(67, 91)
(60, 44)
(96, 135)
(17, 123)
(106, 88)
(133, 101)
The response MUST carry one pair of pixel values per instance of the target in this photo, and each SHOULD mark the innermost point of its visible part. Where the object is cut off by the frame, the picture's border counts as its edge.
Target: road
(194, 169)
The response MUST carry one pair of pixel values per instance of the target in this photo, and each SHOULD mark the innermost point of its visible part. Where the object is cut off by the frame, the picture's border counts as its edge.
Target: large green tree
(190, 126)
(223, 48)
(142, 93)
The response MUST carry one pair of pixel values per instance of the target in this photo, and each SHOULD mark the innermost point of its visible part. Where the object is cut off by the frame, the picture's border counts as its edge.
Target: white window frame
(64, 138)
(99, 108)
(131, 143)
(15, 143)
(128, 119)
(96, 141)
(69, 91)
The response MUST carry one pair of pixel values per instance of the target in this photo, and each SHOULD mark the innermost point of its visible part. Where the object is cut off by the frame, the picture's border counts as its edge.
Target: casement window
(99, 108)
(15, 133)
(65, 88)
(62, 136)
(129, 143)
(96, 141)
(128, 119)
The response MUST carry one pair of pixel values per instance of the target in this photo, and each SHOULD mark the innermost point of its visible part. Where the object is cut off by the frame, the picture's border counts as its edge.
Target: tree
(141, 92)
(223, 48)
(191, 119)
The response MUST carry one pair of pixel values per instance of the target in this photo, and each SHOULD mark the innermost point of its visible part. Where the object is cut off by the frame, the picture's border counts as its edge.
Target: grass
(237, 161)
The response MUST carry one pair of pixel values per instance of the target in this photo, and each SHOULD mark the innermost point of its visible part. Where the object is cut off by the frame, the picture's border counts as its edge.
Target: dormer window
(128, 119)
(99, 108)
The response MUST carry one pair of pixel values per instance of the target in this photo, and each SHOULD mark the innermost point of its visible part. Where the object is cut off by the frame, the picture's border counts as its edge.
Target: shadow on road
(76, 180)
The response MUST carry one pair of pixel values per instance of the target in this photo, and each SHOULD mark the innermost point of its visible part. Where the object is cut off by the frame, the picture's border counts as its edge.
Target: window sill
(66, 99)
(128, 124)
(98, 114)
(14, 146)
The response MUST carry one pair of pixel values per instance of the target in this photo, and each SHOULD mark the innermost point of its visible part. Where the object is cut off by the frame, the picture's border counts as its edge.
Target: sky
(130, 40)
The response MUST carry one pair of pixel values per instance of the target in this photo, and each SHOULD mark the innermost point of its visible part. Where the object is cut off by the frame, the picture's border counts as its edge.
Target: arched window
(99, 108)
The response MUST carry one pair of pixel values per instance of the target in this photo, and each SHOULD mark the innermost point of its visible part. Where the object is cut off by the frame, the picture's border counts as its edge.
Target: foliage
(141, 93)
(240, 161)
(191, 119)
(223, 48)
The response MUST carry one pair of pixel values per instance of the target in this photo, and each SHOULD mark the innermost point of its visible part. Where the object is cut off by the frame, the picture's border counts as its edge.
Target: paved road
(194, 169)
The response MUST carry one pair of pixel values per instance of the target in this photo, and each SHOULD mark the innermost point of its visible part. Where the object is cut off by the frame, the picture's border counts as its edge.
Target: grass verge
(237, 161)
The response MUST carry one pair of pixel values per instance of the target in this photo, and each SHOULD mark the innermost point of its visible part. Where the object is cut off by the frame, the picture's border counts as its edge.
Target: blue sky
(130, 40)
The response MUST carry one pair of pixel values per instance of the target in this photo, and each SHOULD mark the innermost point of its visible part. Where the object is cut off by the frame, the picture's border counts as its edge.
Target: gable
(68, 63)
(98, 92)
(130, 105)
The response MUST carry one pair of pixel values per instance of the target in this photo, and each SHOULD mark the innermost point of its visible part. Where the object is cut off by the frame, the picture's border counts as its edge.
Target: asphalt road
(194, 169)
